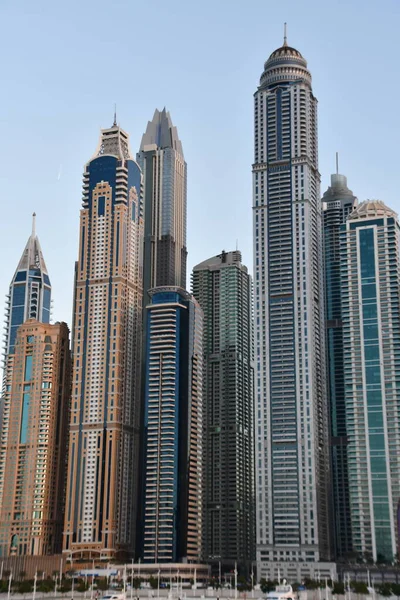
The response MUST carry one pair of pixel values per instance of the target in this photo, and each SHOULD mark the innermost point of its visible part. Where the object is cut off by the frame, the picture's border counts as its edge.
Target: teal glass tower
(370, 276)
(337, 203)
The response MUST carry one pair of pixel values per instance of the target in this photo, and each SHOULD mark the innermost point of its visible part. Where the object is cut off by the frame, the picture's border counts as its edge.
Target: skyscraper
(173, 428)
(337, 202)
(29, 297)
(370, 269)
(103, 455)
(292, 453)
(30, 290)
(32, 460)
(164, 174)
(223, 289)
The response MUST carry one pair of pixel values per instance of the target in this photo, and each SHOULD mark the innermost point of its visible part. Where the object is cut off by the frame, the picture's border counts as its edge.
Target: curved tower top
(372, 209)
(285, 64)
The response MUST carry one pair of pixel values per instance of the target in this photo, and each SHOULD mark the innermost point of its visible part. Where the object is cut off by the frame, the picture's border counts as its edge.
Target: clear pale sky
(65, 64)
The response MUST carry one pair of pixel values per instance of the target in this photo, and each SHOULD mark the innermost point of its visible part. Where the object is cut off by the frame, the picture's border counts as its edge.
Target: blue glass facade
(30, 292)
(172, 394)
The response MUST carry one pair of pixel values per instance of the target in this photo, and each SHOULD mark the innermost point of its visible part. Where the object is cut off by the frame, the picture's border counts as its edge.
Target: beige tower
(36, 386)
(105, 409)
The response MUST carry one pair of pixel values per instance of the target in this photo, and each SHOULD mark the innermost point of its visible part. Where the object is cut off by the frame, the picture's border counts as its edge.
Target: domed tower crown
(285, 64)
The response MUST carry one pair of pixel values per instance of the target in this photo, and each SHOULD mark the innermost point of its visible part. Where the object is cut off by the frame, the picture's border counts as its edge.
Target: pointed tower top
(161, 132)
(285, 34)
(33, 224)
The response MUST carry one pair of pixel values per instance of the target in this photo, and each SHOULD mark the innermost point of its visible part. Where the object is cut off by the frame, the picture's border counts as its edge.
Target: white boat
(282, 592)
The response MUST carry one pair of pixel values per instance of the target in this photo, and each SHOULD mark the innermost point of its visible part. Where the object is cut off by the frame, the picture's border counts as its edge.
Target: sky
(65, 64)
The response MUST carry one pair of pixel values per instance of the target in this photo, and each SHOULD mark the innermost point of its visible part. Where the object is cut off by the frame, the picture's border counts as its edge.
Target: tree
(267, 586)
(396, 589)
(136, 582)
(21, 575)
(102, 584)
(153, 583)
(359, 587)
(385, 590)
(25, 587)
(338, 588)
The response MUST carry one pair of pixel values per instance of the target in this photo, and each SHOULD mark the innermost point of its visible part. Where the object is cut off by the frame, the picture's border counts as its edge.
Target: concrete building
(37, 383)
(223, 289)
(165, 180)
(292, 433)
(100, 517)
(337, 203)
(370, 278)
(172, 497)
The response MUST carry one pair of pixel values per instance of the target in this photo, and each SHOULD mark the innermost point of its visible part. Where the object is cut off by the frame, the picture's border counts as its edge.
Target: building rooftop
(161, 133)
(370, 209)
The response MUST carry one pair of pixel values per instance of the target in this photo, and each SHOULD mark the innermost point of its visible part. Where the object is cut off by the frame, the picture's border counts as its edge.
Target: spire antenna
(115, 116)
(285, 34)
(34, 224)
(337, 163)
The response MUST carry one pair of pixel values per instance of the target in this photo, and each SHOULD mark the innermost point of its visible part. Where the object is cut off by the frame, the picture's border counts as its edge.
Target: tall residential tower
(29, 297)
(292, 450)
(32, 461)
(100, 513)
(223, 289)
(172, 499)
(337, 203)
(370, 270)
(164, 175)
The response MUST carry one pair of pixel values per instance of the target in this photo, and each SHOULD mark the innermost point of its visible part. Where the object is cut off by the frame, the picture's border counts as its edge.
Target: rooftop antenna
(337, 163)
(285, 34)
(115, 116)
(34, 224)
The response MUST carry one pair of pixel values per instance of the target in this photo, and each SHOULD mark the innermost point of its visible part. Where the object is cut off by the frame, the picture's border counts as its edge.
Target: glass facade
(371, 345)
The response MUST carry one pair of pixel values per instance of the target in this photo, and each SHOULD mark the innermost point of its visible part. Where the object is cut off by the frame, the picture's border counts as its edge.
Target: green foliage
(384, 590)
(267, 586)
(153, 583)
(47, 585)
(359, 587)
(3, 586)
(25, 587)
(338, 587)
(396, 589)
(66, 586)
(243, 584)
(82, 586)
(136, 582)
(102, 584)
(311, 584)
(214, 583)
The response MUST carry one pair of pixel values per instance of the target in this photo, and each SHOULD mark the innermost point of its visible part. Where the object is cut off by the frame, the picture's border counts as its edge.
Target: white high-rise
(292, 452)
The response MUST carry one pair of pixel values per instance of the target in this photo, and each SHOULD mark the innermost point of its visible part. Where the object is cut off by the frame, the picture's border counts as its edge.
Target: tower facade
(29, 297)
(172, 523)
(165, 180)
(30, 290)
(32, 462)
(337, 203)
(223, 289)
(103, 454)
(292, 453)
(370, 269)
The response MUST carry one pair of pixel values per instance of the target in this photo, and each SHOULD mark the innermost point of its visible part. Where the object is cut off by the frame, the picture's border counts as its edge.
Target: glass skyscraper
(292, 447)
(165, 180)
(337, 203)
(223, 289)
(172, 496)
(370, 278)
(100, 516)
